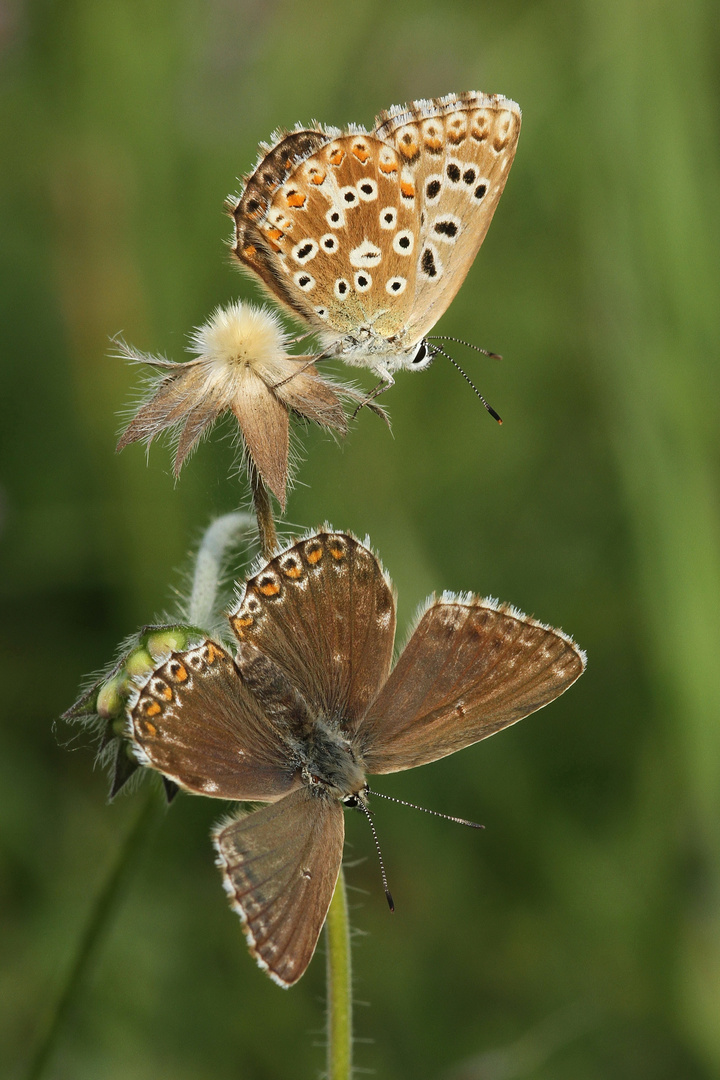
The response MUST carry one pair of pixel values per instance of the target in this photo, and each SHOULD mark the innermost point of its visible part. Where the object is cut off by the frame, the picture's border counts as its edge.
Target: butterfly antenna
(388, 894)
(435, 813)
(467, 344)
(438, 349)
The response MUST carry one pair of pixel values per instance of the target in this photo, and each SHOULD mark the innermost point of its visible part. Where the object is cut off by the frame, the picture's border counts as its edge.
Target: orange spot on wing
(314, 555)
(387, 167)
(317, 177)
(149, 729)
(337, 552)
(246, 621)
(167, 693)
(296, 199)
(407, 190)
(250, 251)
(152, 709)
(211, 653)
(336, 157)
(273, 235)
(361, 153)
(292, 572)
(180, 673)
(270, 588)
(408, 149)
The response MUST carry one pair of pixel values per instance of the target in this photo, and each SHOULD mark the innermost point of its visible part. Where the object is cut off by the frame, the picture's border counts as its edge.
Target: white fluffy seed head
(241, 364)
(242, 335)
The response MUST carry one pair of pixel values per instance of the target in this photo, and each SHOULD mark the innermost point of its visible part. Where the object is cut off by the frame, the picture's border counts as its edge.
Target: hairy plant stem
(264, 514)
(216, 541)
(339, 986)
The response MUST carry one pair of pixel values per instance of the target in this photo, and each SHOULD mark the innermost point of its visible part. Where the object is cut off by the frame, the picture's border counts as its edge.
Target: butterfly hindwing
(342, 231)
(469, 670)
(195, 722)
(280, 865)
(253, 244)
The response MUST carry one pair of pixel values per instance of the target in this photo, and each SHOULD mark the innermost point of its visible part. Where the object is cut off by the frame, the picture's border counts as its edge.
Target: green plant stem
(339, 986)
(126, 861)
(263, 511)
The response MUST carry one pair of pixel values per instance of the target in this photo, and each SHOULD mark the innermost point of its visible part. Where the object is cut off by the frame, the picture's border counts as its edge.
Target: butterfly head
(384, 356)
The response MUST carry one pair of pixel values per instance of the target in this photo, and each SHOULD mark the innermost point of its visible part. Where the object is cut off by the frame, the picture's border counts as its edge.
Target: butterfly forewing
(456, 153)
(324, 612)
(280, 865)
(468, 670)
(195, 722)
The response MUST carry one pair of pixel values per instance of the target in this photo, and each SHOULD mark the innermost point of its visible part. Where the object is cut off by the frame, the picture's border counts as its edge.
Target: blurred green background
(579, 936)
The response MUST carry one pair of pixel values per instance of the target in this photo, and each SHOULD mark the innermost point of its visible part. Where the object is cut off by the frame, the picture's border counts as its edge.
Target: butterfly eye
(421, 359)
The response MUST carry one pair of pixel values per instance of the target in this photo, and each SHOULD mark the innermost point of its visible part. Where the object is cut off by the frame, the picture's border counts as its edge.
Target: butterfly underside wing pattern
(309, 704)
(367, 236)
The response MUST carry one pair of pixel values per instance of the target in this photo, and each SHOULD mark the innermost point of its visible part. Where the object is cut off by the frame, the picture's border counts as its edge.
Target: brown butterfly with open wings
(311, 702)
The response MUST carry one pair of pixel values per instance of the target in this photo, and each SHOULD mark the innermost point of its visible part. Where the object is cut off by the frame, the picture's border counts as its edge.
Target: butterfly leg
(309, 361)
(385, 383)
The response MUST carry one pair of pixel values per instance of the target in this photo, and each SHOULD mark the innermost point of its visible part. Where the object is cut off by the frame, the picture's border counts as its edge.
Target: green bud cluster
(106, 701)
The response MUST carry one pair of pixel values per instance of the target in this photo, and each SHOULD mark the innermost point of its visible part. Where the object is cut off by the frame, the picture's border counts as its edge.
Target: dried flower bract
(241, 365)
